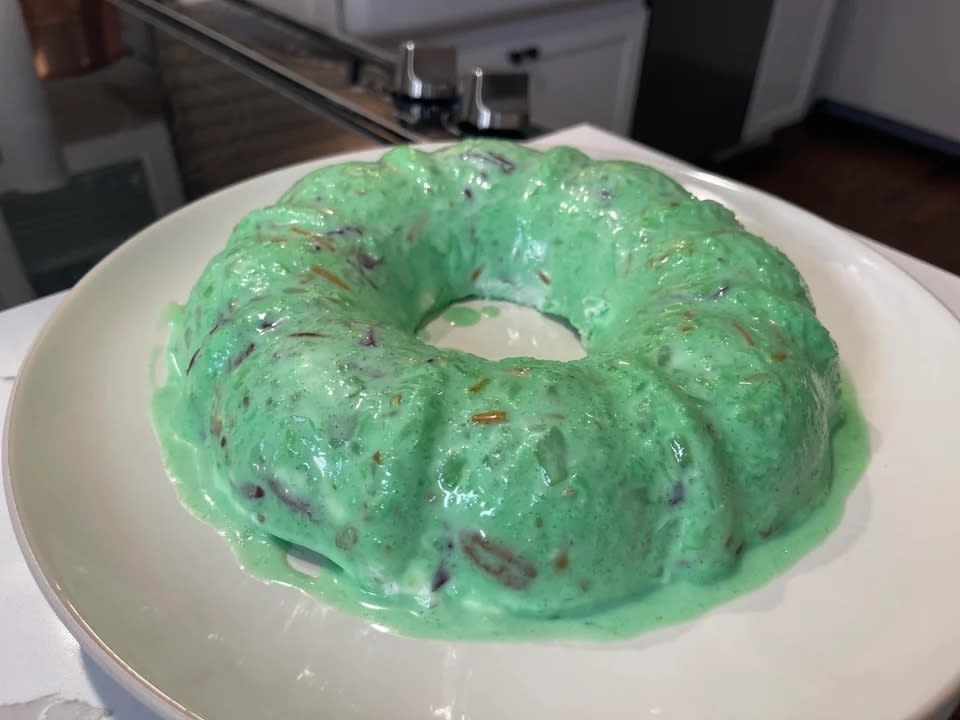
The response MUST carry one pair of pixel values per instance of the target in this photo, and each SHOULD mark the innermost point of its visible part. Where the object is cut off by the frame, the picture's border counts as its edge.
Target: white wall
(899, 59)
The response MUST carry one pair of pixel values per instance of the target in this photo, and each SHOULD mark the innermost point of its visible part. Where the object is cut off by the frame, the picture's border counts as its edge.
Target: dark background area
(889, 189)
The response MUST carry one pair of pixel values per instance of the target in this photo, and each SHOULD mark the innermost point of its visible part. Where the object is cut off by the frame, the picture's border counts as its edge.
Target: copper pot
(72, 37)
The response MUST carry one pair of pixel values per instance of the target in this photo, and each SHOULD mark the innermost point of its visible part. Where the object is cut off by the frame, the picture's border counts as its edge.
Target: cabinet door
(586, 72)
(782, 89)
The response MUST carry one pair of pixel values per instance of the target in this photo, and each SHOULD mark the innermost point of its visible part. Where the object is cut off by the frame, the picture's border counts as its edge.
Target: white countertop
(43, 674)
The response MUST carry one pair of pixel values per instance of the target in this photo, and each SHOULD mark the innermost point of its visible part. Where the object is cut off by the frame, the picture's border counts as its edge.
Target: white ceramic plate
(865, 626)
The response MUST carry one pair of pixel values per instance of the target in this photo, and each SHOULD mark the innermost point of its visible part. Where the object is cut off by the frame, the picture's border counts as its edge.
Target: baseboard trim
(887, 126)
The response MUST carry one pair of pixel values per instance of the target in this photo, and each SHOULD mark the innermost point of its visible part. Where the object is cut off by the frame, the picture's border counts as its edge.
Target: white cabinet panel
(368, 18)
(782, 90)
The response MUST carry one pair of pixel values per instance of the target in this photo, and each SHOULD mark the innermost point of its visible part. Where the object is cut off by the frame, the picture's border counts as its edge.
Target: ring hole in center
(496, 329)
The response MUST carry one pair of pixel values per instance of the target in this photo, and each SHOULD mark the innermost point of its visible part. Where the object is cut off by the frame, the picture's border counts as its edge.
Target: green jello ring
(697, 426)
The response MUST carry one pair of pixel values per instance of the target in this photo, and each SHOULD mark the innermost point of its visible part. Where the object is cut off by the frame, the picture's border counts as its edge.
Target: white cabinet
(378, 18)
(320, 14)
(782, 91)
(583, 64)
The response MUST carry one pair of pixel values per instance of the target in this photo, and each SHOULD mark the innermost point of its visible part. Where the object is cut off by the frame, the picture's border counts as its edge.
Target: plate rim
(88, 639)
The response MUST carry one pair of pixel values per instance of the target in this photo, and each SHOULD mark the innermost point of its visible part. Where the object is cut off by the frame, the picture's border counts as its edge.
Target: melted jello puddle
(276, 561)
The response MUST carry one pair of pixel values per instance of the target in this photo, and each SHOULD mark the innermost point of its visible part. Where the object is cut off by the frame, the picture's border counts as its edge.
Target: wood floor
(889, 190)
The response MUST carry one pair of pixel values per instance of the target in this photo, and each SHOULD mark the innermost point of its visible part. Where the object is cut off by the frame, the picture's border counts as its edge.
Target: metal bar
(266, 49)
(356, 49)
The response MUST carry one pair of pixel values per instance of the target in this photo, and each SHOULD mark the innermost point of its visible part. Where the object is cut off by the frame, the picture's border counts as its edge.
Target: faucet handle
(426, 73)
(495, 102)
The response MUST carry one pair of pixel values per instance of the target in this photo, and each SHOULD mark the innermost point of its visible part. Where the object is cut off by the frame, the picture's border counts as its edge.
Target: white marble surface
(43, 674)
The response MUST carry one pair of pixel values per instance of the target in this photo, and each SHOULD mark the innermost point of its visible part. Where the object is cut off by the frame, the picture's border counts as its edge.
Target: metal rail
(342, 79)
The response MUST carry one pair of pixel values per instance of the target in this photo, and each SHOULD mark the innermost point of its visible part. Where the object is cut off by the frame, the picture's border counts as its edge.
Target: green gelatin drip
(490, 311)
(702, 446)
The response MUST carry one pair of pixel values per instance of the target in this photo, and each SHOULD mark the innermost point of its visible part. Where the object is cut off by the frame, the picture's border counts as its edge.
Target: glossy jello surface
(301, 407)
